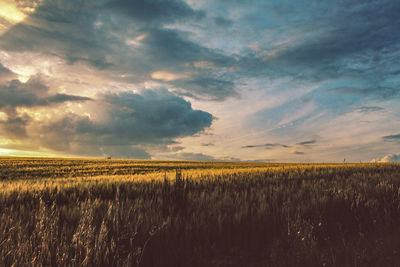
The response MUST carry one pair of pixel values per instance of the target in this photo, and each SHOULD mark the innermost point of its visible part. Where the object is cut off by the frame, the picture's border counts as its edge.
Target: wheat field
(92, 212)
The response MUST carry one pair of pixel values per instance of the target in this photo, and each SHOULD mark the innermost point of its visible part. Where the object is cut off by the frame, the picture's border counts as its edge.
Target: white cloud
(388, 158)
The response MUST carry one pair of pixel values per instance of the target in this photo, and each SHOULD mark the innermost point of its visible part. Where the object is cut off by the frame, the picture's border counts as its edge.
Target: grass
(145, 213)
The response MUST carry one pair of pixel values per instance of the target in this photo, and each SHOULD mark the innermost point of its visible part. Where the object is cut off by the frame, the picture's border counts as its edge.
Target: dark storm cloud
(351, 53)
(168, 47)
(63, 24)
(308, 142)
(171, 50)
(357, 40)
(4, 70)
(94, 33)
(32, 93)
(346, 52)
(63, 29)
(15, 126)
(153, 117)
(223, 22)
(5, 74)
(394, 137)
(156, 11)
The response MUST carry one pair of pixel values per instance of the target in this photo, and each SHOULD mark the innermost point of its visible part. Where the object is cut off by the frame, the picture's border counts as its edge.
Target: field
(86, 212)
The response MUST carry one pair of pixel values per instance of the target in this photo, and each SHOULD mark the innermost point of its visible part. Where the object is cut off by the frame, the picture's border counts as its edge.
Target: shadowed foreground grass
(316, 216)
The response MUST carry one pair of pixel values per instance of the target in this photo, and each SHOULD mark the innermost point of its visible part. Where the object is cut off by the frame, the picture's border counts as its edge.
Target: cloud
(229, 159)
(324, 103)
(250, 146)
(208, 144)
(377, 91)
(394, 137)
(59, 98)
(223, 22)
(175, 148)
(173, 47)
(154, 115)
(308, 142)
(207, 88)
(286, 114)
(388, 158)
(289, 76)
(14, 127)
(352, 41)
(5, 73)
(275, 145)
(33, 93)
(156, 11)
(4, 69)
(369, 109)
(129, 123)
(136, 44)
(267, 146)
(62, 28)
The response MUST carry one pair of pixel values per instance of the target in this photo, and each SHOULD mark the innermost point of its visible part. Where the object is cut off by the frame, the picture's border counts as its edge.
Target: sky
(225, 80)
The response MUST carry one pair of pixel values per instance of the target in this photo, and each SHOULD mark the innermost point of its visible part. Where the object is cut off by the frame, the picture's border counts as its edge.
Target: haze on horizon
(287, 81)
